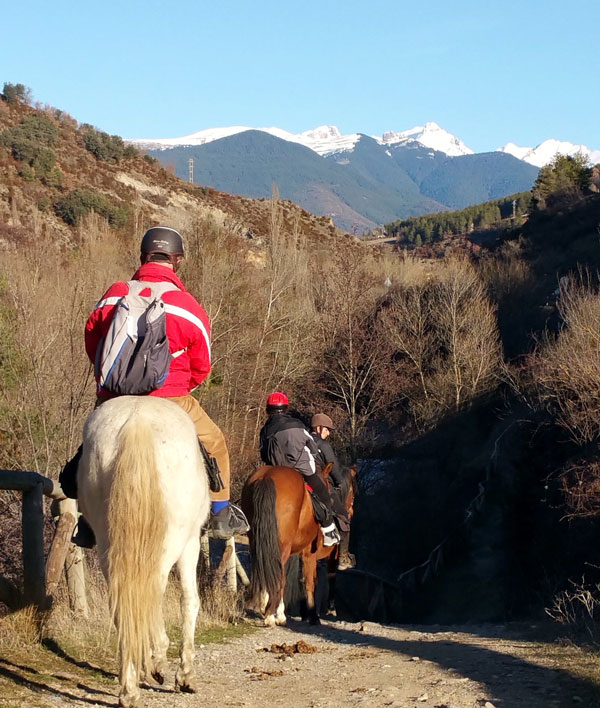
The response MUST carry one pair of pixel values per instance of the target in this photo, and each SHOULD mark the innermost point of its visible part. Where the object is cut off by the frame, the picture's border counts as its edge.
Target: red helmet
(277, 400)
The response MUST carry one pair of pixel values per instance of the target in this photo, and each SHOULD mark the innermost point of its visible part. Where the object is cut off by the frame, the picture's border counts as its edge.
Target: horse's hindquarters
(144, 491)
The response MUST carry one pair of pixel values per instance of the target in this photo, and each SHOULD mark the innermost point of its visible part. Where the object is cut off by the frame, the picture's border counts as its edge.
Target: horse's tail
(267, 570)
(136, 531)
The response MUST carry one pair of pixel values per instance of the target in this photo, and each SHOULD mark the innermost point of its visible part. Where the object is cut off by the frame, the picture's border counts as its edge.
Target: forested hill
(421, 230)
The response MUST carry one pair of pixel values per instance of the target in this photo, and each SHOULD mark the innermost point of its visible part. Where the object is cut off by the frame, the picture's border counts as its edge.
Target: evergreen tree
(561, 181)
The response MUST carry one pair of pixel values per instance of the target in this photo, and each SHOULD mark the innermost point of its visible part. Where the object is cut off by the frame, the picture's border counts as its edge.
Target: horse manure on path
(284, 650)
(257, 674)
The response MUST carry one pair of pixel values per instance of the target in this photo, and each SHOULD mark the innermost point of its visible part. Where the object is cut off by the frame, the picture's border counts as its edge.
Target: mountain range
(360, 181)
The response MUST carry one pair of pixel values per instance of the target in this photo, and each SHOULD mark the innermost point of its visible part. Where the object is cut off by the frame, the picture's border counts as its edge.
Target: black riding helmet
(165, 240)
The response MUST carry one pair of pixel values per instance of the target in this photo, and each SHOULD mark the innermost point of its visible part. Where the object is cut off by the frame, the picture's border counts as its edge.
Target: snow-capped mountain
(327, 140)
(544, 152)
(324, 140)
(430, 135)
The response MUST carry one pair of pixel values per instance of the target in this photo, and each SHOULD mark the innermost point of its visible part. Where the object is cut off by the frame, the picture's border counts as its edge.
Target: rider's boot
(330, 532)
(331, 535)
(228, 522)
(84, 538)
(347, 559)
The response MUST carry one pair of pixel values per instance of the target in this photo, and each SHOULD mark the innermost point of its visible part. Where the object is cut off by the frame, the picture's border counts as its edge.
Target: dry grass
(93, 639)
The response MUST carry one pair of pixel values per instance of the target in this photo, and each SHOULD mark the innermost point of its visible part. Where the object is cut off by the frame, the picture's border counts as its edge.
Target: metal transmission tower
(191, 170)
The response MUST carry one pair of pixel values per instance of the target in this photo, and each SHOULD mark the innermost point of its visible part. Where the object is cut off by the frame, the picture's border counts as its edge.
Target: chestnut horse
(280, 512)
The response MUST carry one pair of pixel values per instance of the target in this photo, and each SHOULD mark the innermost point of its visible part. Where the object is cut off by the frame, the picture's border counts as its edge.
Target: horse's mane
(348, 482)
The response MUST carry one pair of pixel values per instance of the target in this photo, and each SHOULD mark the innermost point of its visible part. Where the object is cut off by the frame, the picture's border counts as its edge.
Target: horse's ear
(327, 470)
(353, 469)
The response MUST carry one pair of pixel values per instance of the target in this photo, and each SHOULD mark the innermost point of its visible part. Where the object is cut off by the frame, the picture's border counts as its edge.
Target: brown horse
(280, 511)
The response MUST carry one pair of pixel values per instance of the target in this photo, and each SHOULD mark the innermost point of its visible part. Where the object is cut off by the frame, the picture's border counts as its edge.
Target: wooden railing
(33, 487)
(41, 577)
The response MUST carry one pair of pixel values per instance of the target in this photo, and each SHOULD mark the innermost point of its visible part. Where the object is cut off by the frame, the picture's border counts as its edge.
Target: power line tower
(191, 170)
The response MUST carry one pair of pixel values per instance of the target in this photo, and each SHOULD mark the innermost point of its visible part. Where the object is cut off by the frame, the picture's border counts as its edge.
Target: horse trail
(364, 664)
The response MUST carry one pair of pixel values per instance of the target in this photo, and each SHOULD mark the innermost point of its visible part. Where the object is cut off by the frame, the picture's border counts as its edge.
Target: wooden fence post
(231, 565)
(32, 526)
(75, 567)
(241, 572)
(205, 549)
(55, 563)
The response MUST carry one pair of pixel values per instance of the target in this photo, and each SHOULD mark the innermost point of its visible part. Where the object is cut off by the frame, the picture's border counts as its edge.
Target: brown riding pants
(211, 437)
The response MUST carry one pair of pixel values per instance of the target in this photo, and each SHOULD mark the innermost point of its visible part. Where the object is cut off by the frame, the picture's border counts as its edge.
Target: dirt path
(344, 664)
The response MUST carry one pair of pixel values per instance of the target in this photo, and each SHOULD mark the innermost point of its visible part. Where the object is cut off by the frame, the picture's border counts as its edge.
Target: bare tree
(445, 336)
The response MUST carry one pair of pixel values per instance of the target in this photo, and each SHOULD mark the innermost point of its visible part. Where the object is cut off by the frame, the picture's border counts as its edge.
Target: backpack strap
(157, 289)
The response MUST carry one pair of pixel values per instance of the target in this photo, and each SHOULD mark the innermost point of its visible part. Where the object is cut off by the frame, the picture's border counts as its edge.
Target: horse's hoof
(281, 622)
(187, 688)
(314, 621)
(129, 701)
(185, 684)
(158, 676)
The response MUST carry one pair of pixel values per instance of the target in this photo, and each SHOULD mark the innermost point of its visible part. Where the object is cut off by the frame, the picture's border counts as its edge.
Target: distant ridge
(362, 183)
(327, 139)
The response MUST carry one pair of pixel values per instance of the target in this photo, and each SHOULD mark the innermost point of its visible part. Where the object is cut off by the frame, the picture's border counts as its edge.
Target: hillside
(136, 188)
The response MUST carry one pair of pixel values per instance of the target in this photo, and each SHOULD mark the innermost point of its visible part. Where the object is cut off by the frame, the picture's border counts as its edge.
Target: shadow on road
(38, 683)
(513, 682)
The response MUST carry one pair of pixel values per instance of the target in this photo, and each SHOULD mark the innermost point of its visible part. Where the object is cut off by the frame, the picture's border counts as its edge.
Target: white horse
(144, 490)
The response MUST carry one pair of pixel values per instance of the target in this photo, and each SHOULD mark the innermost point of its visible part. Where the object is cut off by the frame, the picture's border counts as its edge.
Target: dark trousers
(322, 493)
(68, 476)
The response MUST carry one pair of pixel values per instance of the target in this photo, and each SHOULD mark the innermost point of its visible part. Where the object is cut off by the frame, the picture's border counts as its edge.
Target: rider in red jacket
(188, 332)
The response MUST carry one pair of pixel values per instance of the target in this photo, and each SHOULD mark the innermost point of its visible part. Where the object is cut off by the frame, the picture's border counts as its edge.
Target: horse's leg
(278, 617)
(160, 640)
(264, 602)
(129, 695)
(190, 604)
(309, 562)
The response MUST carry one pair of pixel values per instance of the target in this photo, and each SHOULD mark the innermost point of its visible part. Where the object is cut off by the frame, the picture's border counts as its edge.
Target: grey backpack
(134, 358)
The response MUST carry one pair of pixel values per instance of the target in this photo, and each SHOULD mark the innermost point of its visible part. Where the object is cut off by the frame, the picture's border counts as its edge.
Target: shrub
(32, 142)
(12, 93)
(43, 161)
(130, 151)
(103, 146)
(151, 160)
(54, 178)
(568, 365)
(27, 173)
(79, 202)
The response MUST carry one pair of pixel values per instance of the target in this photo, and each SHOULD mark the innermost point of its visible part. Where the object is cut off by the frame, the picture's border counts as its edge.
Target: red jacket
(188, 329)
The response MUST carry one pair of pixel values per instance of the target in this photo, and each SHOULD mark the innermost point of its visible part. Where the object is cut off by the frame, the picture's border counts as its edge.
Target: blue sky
(489, 72)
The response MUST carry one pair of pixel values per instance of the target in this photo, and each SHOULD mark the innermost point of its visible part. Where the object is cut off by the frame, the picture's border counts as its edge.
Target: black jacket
(284, 440)
(327, 455)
